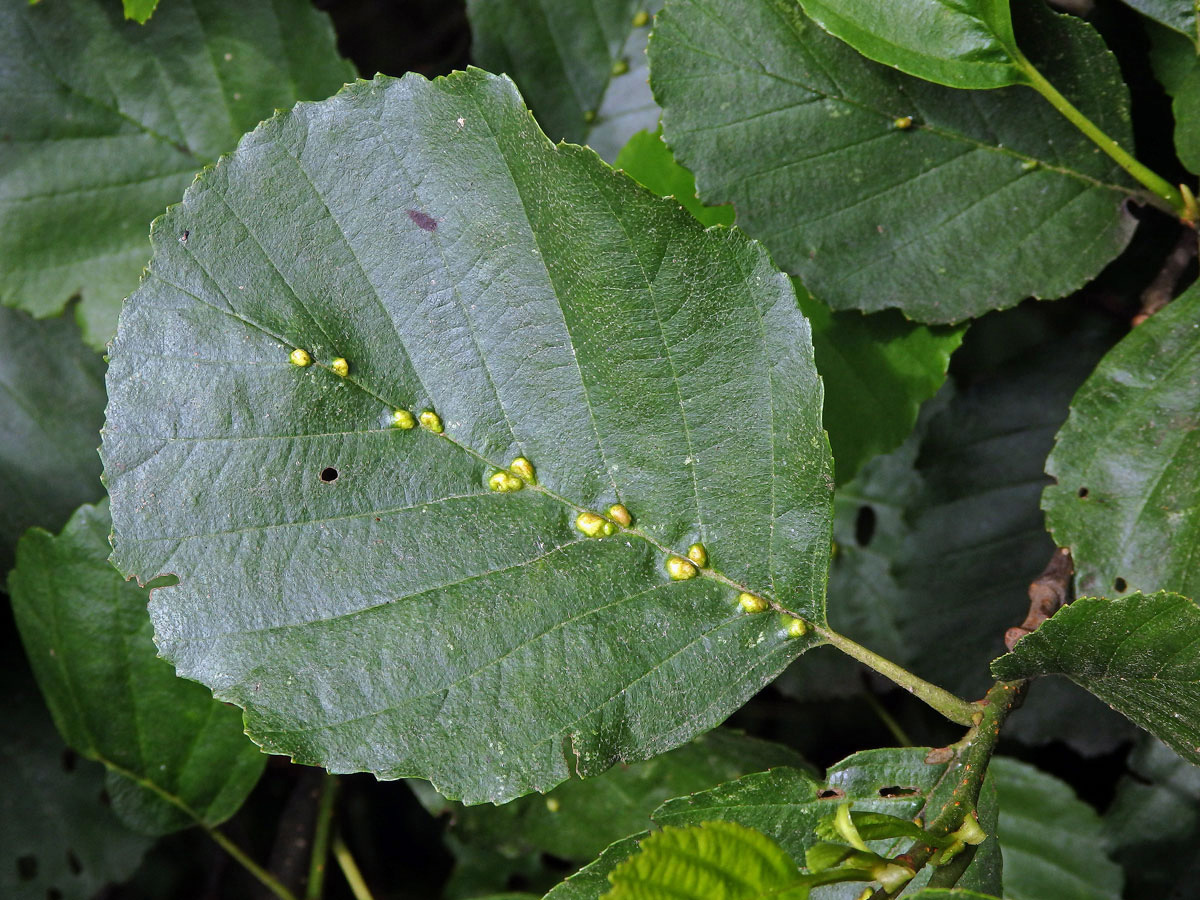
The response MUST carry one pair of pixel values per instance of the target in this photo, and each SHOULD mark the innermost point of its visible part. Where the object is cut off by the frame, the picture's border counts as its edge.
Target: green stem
(320, 847)
(1165, 195)
(269, 881)
(953, 708)
(972, 756)
(358, 887)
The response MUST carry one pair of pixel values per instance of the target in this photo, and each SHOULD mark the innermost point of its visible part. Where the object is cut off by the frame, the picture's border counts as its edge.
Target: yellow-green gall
(340, 367)
(698, 555)
(523, 468)
(553, 804)
(620, 67)
(641, 19)
(619, 514)
(591, 524)
(795, 627)
(903, 123)
(589, 116)
(504, 483)
(751, 604)
(402, 418)
(300, 358)
(680, 569)
(431, 421)
(610, 528)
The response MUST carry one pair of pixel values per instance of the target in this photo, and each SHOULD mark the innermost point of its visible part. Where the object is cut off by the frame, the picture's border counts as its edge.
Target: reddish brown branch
(1048, 592)
(1162, 289)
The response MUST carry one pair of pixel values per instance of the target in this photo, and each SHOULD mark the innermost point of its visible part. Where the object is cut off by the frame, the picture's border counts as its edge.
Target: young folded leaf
(359, 589)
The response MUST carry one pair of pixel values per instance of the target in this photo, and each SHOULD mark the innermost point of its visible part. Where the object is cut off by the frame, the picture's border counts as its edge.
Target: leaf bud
(340, 367)
(619, 514)
(970, 832)
(300, 358)
(523, 468)
(431, 421)
(698, 555)
(402, 418)
(590, 524)
(680, 569)
(751, 603)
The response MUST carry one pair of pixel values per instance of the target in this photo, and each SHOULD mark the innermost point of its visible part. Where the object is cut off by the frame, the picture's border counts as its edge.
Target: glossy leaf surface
(880, 190)
(959, 43)
(1140, 654)
(175, 755)
(106, 123)
(356, 587)
(1127, 498)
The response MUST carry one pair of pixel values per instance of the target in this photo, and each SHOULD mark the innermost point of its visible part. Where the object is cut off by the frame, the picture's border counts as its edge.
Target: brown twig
(1047, 594)
(1161, 290)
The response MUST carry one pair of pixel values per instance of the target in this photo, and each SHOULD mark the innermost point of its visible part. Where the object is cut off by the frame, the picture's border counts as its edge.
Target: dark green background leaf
(1177, 65)
(51, 407)
(1127, 498)
(562, 57)
(1140, 654)
(400, 617)
(57, 835)
(175, 755)
(1181, 15)
(105, 123)
(986, 199)
(1052, 842)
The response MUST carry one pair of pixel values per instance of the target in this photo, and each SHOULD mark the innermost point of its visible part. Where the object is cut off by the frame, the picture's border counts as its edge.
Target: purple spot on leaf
(423, 221)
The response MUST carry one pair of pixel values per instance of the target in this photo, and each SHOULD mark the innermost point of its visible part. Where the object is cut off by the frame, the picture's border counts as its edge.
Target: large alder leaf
(982, 200)
(1051, 841)
(1127, 497)
(1140, 654)
(106, 122)
(357, 588)
(580, 65)
(175, 756)
(959, 43)
(51, 407)
(877, 370)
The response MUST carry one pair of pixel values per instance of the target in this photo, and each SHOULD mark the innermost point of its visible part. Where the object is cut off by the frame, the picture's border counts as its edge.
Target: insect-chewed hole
(68, 760)
(1082, 492)
(864, 525)
(1120, 585)
(27, 867)
(329, 475)
(831, 794)
(73, 863)
(897, 791)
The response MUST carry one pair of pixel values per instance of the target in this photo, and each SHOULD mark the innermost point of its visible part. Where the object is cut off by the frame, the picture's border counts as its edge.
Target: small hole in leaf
(864, 525)
(1119, 585)
(73, 863)
(27, 867)
(897, 791)
(1083, 492)
(831, 794)
(68, 760)
(329, 474)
